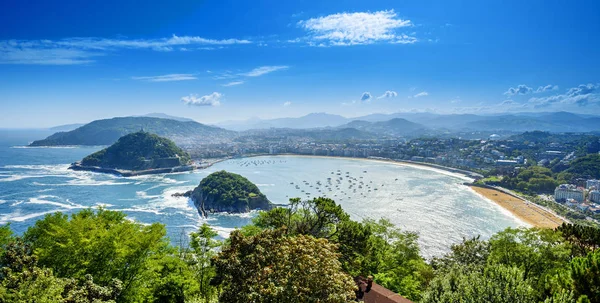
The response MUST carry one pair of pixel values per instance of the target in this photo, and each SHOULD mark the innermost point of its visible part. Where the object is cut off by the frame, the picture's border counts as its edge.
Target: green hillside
(139, 151)
(107, 131)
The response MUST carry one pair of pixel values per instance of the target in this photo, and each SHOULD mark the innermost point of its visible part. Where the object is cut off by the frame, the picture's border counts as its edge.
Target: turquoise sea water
(36, 181)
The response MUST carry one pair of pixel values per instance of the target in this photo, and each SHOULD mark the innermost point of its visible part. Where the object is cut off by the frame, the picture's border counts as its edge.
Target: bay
(35, 182)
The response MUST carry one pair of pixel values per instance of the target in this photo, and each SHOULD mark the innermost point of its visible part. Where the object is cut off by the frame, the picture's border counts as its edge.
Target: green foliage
(498, 284)
(139, 151)
(22, 280)
(470, 253)
(106, 246)
(393, 258)
(584, 239)
(228, 190)
(535, 179)
(203, 247)
(585, 274)
(587, 167)
(539, 253)
(275, 267)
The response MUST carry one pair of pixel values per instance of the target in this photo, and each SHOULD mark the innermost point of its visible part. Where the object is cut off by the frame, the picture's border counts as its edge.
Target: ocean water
(35, 182)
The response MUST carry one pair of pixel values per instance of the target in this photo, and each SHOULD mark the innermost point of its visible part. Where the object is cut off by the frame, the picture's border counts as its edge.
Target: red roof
(380, 294)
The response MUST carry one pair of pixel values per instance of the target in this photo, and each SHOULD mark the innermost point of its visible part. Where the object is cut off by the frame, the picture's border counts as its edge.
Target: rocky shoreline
(131, 173)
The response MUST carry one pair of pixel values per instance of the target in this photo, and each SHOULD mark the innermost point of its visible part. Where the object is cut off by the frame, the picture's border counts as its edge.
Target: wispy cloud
(519, 90)
(166, 78)
(83, 50)
(546, 88)
(262, 70)
(213, 99)
(287, 103)
(388, 94)
(233, 83)
(421, 94)
(365, 97)
(581, 95)
(357, 28)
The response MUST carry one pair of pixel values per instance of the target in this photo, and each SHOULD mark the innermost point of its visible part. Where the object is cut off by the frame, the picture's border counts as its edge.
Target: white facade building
(592, 183)
(568, 191)
(594, 196)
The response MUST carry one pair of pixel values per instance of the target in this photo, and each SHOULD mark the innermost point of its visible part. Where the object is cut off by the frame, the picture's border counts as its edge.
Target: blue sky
(73, 61)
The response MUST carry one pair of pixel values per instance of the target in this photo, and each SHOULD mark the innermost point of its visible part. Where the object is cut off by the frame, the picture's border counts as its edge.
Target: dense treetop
(305, 253)
(137, 151)
(227, 189)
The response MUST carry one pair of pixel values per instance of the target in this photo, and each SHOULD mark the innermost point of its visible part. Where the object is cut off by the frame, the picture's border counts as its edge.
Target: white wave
(144, 195)
(141, 210)
(105, 205)
(18, 217)
(40, 201)
(45, 147)
(21, 177)
(264, 185)
(222, 231)
(17, 202)
(2, 201)
(47, 167)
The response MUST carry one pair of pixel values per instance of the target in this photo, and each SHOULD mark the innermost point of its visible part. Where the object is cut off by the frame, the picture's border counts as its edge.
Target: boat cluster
(340, 186)
(247, 163)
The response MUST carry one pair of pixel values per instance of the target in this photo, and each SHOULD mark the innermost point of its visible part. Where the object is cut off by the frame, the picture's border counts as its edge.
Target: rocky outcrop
(227, 192)
(206, 204)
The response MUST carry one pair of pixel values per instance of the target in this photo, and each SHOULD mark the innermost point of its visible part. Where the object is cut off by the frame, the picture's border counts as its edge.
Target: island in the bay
(138, 153)
(227, 192)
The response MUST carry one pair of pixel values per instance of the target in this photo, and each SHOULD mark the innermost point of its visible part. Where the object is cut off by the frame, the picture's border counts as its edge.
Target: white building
(568, 191)
(592, 183)
(594, 196)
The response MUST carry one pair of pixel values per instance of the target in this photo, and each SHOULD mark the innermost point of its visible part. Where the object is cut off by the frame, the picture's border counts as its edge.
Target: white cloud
(388, 94)
(166, 78)
(287, 103)
(262, 70)
(546, 88)
(365, 97)
(519, 90)
(421, 94)
(508, 102)
(82, 50)
(455, 100)
(213, 99)
(357, 28)
(582, 95)
(233, 83)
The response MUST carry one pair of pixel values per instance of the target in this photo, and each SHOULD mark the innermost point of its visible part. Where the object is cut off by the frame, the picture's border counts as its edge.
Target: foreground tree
(107, 246)
(274, 267)
(498, 284)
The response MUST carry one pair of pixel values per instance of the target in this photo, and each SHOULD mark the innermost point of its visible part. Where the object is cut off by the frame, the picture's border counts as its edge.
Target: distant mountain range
(187, 133)
(314, 120)
(392, 127)
(553, 122)
(108, 131)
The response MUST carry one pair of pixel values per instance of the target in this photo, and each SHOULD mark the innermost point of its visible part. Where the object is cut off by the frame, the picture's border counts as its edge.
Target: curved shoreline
(450, 171)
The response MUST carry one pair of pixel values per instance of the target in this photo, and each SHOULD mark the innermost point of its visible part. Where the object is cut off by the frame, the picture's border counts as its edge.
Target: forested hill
(139, 151)
(108, 131)
(228, 192)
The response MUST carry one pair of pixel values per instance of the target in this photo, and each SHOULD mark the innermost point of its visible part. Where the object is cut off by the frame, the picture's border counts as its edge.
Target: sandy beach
(526, 211)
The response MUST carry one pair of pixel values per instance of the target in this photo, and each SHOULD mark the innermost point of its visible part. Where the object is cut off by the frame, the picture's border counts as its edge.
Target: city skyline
(219, 61)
